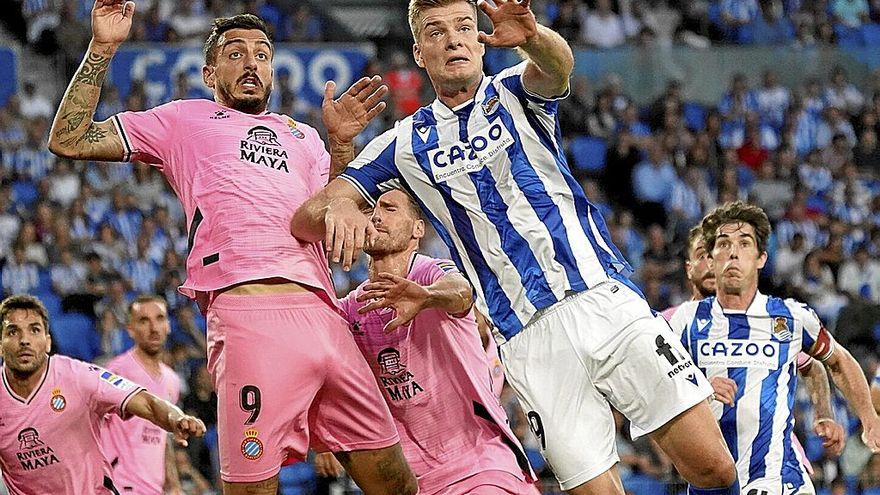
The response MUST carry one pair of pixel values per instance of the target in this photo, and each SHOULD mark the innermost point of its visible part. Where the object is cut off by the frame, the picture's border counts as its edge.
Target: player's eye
(235, 55)
(434, 34)
(262, 56)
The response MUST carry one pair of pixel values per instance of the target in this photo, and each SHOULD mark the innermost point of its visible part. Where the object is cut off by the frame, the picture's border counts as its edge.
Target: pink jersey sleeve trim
(122, 412)
(125, 141)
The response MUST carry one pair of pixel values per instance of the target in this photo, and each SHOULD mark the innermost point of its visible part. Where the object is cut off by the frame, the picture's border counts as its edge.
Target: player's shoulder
(296, 125)
(688, 309)
(117, 361)
(799, 311)
(422, 265)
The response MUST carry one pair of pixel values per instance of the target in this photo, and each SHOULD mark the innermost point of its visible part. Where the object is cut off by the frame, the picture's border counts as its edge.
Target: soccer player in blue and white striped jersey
(485, 163)
(754, 340)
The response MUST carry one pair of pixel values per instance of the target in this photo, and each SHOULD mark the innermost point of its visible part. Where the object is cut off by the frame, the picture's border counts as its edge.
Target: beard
(26, 370)
(247, 104)
(704, 288)
(385, 245)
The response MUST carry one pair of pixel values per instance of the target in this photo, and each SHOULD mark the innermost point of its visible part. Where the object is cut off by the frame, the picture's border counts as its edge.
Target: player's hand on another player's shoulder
(186, 426)
(832, 435)
(347, 229)
(513, 23)
(725, 390)
(111, 21)
(327, 466)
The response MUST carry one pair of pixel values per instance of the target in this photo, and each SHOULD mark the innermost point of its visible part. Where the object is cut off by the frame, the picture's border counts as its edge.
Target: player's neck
(24, 384)
(738, 302)
(454, 96)
(394, 263)
(150, 363)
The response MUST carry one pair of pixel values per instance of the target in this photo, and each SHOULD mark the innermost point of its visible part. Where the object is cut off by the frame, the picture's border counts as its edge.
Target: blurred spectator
(304, 25)
(19, 274)
(33, 160)
(814, 174)
(602, 27)
(867, 153)
(816, 284)
(621, 159)
(155, 27)
(188, 22)
(850, 13)
(123, 217)
(738, 16)
(114, 337)
(601, 122)
(842, 94)
(64, 183)
(34, 250)
(789, 259)
(10, 223)
(739, 101)
(145, 187)
(834, 123)
(773, 99)
(567, 21)
(115, 301)
(32, 104)
(405, 86)
(575, 110)
(141, 272)
(769, 191)
(202, 403)
(859, 277)
(652, 185)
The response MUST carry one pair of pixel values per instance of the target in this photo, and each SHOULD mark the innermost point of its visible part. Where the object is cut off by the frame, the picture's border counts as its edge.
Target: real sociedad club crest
(57, 402)
(251, 446)
(780, 328)
(293, 129)
(490, 105)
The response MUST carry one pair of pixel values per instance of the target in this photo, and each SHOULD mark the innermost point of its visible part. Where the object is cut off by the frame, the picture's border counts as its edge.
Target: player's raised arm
(74, 134)
(550, 58)
(165, 415)
(346, 116)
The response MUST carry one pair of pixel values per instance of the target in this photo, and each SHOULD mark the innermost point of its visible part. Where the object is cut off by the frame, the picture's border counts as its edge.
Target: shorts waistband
(570, 295)
(256, 302)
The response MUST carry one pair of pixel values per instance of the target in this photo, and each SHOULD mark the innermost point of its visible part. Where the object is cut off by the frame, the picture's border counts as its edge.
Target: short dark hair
(145, 298)
(223, 24)
(736, 212)
(26, 302)
(693, 235)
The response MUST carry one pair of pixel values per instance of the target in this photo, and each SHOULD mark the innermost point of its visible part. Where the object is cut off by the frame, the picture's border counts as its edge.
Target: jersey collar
(36, 390)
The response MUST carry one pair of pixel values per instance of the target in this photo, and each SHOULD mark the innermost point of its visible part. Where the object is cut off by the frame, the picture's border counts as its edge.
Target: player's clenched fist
(111, 21)
(186, 426)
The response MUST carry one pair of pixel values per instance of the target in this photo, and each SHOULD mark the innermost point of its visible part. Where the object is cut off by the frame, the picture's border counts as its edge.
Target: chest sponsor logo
(451, 161)
(729, 353)
(33, 453)
(261, 147)
(398, 382)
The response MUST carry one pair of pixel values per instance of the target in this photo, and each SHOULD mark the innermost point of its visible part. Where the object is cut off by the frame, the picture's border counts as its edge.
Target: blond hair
(417, 6)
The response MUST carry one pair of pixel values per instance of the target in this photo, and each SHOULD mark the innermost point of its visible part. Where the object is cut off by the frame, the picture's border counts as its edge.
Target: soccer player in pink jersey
(52, 410)
(413, 322)
(285, 368)
(143, 461)
(702, 281)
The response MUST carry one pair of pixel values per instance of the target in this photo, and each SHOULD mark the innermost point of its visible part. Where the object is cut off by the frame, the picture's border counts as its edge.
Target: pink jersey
(240, 178)
(433, 376)
(668, 312)
(136, 447)
(49, 442)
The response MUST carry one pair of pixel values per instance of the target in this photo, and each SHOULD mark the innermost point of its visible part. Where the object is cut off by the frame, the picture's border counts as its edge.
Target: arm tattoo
(93, 70)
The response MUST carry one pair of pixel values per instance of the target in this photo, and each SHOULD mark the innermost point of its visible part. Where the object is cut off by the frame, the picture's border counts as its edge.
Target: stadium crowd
(86, 237)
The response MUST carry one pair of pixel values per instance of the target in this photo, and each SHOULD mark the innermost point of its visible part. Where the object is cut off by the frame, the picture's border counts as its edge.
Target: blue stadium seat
(44, 280)
(871, 34)
(639, 484)
(694, 116)
(52, 302)
(75, 335)
(874, 490)
(714, 13)
(588, 153)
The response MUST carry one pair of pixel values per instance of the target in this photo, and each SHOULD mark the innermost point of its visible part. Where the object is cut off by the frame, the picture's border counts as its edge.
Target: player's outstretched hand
(725, 390)
(832, 435)
(187, 426)
(111, 21)
(404, 296)
(347, 229)
(513, 23)
(346, 116)
(327, 466)
(871, 435)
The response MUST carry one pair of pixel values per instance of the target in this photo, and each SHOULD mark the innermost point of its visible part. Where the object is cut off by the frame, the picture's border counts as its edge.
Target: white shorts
(599, 346)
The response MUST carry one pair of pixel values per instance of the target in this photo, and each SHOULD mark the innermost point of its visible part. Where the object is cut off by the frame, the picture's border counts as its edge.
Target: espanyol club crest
(57, 402)
(293, 130)
(251, 446)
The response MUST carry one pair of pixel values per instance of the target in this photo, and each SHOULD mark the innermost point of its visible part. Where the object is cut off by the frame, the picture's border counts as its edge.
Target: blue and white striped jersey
(492, 178)
(758, 349)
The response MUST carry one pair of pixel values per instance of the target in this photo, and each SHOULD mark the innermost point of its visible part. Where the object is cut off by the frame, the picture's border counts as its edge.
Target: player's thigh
(266, 487)
(572, 420)
(268, 356)
(381, 471)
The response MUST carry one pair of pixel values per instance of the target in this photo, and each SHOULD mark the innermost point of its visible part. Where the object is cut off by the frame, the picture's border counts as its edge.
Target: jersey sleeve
(148, 136)
(374, 170)
(429, 270)
(511, 79)
(109, 392)
(817, 340)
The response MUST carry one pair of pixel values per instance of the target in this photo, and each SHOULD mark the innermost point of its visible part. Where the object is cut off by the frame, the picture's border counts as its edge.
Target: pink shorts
(491, 483)
(288, 376)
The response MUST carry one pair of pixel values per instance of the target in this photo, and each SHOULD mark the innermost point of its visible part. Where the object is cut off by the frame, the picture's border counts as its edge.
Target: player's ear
(417, 55)
(419, 229)
(208, 76)
(762, 260)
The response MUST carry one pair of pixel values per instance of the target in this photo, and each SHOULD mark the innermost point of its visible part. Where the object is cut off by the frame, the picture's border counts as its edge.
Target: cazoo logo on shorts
(463, 157)
(738, 354)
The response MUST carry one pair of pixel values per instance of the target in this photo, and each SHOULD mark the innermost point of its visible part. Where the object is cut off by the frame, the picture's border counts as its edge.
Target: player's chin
(250, 103)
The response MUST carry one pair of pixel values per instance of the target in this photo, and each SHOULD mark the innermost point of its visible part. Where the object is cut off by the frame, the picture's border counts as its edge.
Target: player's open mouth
(457, 60)
(250, 82)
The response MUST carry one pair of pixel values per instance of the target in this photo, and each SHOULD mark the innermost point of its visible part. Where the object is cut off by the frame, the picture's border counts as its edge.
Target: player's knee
(410, 486)
(720, 472)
